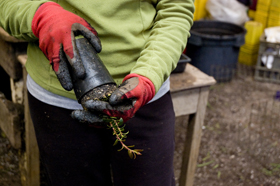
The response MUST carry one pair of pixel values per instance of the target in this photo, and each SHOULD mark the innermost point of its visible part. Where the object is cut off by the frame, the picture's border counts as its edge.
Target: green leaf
(216, 166)
(130, 154)
(267, 172)
(116, 142)
(121, 148)
(205, 164)
(138, 150)
(219, 174)
(207, 156)
(120, 122)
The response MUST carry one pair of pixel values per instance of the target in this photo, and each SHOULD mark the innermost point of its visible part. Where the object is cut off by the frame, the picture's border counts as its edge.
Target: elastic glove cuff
(150, 88)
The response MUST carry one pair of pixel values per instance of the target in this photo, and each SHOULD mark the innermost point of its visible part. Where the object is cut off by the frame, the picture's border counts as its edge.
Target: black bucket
(214, 48)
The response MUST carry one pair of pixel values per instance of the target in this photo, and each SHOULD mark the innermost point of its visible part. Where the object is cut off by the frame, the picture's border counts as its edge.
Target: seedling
(117, 127)
(103, 93)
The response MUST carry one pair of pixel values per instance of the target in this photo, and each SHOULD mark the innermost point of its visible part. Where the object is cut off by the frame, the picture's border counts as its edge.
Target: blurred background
(237, 42)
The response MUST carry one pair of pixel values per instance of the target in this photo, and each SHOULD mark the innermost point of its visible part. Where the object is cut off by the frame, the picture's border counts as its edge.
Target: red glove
(56, 29)
(133, 93)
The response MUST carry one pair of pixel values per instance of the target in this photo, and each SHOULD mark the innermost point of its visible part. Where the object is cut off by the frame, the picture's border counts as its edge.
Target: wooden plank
(8, 60)
(22, 58)
(190, 78)
(17, 90)
(193, 138)
(30, 163)
(185, 102)
(11, 115)
(7, 37)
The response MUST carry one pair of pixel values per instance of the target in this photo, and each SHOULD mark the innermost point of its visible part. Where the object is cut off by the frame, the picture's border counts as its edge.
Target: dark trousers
(75, 154)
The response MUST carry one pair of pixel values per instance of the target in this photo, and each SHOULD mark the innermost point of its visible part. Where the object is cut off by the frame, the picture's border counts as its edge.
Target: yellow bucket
(265, 2)
(262, 7)
(251, 14)
(200, 10)
(274, 9)
(254, 32)
(250, 49)
(261, 19)
(247, 59)
(275, 3)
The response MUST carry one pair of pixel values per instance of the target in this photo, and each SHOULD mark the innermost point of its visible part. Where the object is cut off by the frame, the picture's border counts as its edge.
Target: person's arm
(167, 41)
(16, 17)
(55, 28)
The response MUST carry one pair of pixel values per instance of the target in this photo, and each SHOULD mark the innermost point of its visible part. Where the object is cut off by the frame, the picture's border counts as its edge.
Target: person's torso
(121, 44)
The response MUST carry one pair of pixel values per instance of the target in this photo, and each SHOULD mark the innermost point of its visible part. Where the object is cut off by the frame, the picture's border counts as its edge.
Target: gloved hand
(133, 93)
(88, 118)
(56, 29)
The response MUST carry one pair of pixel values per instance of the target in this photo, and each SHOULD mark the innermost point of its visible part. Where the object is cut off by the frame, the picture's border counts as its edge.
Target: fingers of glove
(60, 67)
(105, 107)
(122, 93)
(89, 33)
(116, 97)
(75, 62)
(97, 106)
(64, 77)
(86, 116)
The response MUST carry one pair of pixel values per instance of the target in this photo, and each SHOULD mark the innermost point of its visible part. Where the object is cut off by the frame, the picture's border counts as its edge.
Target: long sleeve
(16, 17)
(145, 37)
(167, 40)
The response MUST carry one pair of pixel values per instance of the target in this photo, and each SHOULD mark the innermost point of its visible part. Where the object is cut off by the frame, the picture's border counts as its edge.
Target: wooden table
(189, 91)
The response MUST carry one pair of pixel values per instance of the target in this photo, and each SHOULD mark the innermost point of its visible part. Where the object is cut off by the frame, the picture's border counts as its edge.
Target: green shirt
(145, 37)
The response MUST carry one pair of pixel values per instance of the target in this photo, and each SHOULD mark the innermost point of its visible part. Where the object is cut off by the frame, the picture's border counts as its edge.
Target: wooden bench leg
(193, 138)
(30, 168)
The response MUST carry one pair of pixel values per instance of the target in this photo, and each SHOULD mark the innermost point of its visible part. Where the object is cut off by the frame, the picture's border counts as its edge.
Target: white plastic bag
(228, 11)
(272, 34)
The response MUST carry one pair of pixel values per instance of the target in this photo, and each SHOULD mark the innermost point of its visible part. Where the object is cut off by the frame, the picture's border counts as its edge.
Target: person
(141, 44)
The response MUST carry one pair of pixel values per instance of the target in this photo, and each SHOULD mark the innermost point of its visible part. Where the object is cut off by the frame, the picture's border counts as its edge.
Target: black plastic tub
(214, 47)
(184, 59)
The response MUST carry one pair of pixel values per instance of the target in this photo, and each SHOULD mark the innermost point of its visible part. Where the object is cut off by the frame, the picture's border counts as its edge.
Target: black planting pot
(96, 72)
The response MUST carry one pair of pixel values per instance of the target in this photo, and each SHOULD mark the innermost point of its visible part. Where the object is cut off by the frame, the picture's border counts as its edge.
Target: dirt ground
(240, 144)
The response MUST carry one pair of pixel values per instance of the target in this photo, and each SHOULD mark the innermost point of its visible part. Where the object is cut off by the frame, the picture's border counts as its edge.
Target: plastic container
(200, 10)
(262, 7)
(265, 2)
(250, 48)
(254, 32)
(251, 14)
(184, 59)
(261, 18)
(96, 72)
(262, 72)
(275, 3)
(274, 9)
(274, 16)
(214, 47)
(247, 58)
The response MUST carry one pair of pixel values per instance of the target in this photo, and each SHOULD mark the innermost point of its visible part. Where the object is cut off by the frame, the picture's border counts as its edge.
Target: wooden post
(193, 138)
(30, 161)
(8, 60)
(11, 115)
